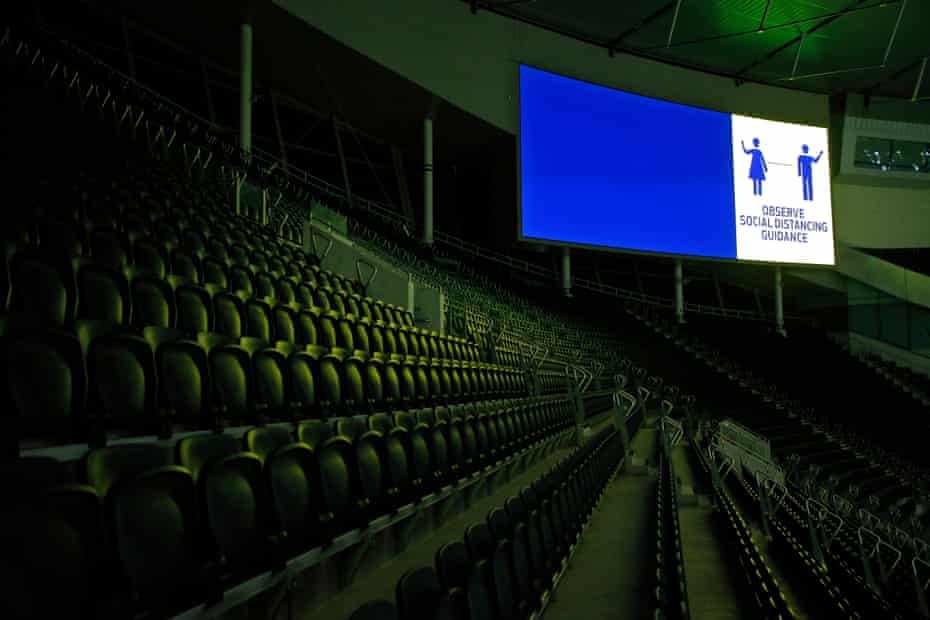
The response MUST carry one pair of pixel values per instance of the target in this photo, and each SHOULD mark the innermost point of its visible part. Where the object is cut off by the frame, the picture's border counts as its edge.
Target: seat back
(263, 441)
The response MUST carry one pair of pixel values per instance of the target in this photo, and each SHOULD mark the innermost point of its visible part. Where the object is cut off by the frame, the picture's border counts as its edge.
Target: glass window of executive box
(892, 155)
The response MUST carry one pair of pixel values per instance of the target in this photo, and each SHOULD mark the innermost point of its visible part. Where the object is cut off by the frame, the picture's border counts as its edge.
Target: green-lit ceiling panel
(701, 38)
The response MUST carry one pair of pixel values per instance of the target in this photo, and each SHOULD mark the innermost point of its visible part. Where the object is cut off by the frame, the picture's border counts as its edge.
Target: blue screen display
(607, 168)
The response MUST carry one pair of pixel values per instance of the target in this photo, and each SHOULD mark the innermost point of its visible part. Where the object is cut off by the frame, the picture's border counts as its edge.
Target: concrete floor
(379, 581)
(611, 574)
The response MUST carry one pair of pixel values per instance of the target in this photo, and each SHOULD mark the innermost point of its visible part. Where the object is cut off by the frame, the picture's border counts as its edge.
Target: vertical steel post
(428, 181)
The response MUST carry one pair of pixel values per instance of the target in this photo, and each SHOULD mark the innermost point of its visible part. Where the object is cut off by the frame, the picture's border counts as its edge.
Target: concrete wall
(871, 216)
(391, 285)
(471, 60)
(918, 362)
(887, 277)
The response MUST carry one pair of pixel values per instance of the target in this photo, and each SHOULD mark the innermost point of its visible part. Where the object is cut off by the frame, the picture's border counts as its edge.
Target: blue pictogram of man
(806, 171)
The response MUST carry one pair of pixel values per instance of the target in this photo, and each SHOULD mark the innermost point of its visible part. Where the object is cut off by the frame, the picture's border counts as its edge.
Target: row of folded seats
(60, 292)
(211, 294)
(157, 527)
(509, 565)
(551, 381)
(671, 596)
(191, 242)
(295, 280)
(160, 239)
(101, 378)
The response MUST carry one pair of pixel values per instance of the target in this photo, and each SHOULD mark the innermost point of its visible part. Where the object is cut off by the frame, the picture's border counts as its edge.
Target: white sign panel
(781, 187)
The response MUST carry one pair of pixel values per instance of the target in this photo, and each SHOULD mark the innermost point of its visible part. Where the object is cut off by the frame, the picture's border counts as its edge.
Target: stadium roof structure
(872, 47)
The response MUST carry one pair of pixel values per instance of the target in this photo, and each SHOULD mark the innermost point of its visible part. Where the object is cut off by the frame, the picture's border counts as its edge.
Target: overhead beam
(765, 15)
(793, 78)
(612, 44)
(823, 23)
(891, 76)
(207, 92)
(797, 56)
(671, 30)
(371, 166)
(277, 128)
(127, 46)
(894, 31)
(920, 79)
(347, 186)
(793, 24)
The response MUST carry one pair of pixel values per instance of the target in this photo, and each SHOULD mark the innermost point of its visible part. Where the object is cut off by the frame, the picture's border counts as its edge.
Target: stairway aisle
(715, 587)
(611, 574)
(380, 581)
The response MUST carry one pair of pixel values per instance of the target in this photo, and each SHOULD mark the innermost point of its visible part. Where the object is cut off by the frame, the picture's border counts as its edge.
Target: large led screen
(603, 168)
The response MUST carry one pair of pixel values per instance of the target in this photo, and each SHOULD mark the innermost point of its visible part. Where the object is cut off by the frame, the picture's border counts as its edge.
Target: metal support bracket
(721, 464)
(871, 546)
(373, 271)
(921, 571)
(824, 524)
(314, 247)
(673, 430)
(620, 380)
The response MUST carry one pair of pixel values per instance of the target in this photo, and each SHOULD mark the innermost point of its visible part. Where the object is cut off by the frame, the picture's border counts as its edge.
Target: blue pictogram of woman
(757, 168)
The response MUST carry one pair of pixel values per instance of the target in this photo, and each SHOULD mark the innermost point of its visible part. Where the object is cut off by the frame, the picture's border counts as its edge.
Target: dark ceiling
(828, 46)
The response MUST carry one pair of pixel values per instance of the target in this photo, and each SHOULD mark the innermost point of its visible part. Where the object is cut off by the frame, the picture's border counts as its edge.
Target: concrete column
(566, 272)
(245, 88)
(679, 292)
(238, 194)
(779, 305)
(428, 181)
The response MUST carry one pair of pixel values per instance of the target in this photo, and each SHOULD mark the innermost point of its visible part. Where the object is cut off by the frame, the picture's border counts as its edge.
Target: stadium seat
(149, 256)
(494, 561)
(241, 279)
(193, 306)
(53, 541)
(232, 382)
(152, 522)
(352, 428)
(58, 236)
(271, 388)
(419, 597)
(186, 265)
(122, 392)
(228, 313)
(43, 286)
(314, 432)
(197, 451)
(107, 245)
(290, 474)
(153, 301)
(263, 441)
(341, 506)
(45, 381)
(215, 270)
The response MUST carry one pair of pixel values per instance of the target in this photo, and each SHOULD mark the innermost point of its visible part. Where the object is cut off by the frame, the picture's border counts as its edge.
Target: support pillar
(566, 272)
(679, 292)
(428, 181)
(779, 305)
(239, 180)
(245, 88)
